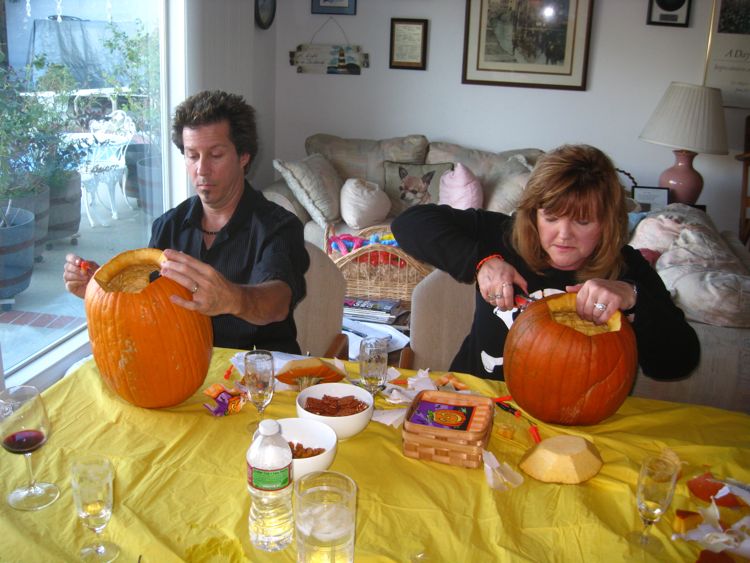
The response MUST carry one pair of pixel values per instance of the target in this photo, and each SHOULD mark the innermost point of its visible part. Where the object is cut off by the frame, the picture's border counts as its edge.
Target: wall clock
(265, 10)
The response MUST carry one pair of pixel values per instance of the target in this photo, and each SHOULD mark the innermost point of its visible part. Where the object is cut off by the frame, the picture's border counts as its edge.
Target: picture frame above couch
(517, 45)
(336, 7)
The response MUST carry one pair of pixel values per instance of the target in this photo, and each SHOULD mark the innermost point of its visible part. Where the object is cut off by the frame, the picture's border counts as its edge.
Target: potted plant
(135, 78)
(33, 152)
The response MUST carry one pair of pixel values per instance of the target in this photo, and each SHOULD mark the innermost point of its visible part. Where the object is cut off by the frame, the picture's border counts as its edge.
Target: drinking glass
(373, 363)
(91, 480)
(24, 428)
(325, 509)
(656, 484)
(259, 380)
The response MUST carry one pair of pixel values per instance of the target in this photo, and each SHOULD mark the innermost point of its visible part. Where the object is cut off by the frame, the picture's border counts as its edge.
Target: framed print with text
(517, 44)
(338, 7)
(728, 53)
(675, 13)
(408, 44)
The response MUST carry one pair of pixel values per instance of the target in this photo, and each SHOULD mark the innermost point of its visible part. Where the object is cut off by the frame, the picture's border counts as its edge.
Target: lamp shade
(689, 117)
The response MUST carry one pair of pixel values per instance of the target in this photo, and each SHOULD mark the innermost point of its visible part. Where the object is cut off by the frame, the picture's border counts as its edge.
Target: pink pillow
(459, 188)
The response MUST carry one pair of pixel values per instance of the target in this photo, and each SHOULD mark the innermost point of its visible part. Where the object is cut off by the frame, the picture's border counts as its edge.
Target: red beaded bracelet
(485, 259)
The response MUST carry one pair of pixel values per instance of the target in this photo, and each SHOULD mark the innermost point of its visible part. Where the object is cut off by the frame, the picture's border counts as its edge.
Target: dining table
(180, 491)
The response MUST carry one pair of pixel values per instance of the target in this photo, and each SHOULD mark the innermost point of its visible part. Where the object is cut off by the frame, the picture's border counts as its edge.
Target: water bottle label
(269, 479)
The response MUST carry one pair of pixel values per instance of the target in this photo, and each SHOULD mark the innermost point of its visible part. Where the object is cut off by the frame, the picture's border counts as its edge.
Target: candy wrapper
(228, 401)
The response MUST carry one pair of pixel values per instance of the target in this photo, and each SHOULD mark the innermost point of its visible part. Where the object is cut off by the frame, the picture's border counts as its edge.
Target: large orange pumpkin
(149, 351)
(564, 370)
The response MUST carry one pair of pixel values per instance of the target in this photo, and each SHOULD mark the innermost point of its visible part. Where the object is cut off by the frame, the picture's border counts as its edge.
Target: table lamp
(690, 119)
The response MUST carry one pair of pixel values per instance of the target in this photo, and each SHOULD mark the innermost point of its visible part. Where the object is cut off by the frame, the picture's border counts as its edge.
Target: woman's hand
(496, 279)
(598, 299)
(76, 274)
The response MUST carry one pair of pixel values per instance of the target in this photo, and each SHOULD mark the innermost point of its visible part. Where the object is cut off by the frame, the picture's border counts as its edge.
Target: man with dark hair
(242, 257)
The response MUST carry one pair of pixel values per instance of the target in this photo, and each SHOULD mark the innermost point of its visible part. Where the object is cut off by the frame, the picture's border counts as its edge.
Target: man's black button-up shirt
(261, 242)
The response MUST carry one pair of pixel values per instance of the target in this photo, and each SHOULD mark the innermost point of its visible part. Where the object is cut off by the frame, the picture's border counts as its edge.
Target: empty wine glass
(656, 484)
(91, 480)
(373, 363)
(24, 428)
(259, 380)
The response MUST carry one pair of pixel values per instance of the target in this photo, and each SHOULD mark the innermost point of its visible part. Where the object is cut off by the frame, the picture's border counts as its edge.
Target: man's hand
(214, 295)
(76, 274)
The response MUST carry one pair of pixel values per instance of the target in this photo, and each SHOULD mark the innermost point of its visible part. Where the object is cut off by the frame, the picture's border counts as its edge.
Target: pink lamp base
(684, 182)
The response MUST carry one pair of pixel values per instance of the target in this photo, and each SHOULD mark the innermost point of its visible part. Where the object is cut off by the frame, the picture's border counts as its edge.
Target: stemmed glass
(373, 363)
(656, 484)
(91, 480)
(24, 428)
(259, 380)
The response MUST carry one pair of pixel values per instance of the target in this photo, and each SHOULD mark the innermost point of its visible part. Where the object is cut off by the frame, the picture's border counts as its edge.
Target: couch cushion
(363, 203)
(502, 174)
(460, 189)
(709, 282)
(412, 184)
(363, 158)
(316, 184)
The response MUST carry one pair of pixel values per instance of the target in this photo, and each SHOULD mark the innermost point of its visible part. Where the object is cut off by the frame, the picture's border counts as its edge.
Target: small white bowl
(311, 434)
(344, 426)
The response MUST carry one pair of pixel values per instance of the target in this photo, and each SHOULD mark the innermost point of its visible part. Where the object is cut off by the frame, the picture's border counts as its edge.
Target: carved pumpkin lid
(130, 271)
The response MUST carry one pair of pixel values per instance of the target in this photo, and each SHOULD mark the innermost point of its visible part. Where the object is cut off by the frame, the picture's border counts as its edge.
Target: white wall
(630, 66)
(226, 51)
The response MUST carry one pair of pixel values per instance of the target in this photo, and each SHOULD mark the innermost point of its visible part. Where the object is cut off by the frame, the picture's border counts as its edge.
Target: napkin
(500, 476)
(389, 417)
(397, 395)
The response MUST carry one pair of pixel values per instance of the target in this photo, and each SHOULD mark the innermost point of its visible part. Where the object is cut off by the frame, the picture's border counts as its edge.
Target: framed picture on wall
(668, 12)
(727, 60)
(516, 44)
(408, 44)
(651, 199)
(340, 7)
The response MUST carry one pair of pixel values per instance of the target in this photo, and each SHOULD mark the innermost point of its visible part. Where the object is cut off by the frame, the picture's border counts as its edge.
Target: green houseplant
(136, 79)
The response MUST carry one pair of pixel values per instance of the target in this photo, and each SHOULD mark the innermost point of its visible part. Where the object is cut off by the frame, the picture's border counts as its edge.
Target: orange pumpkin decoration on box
(149, 351)
(564, 370)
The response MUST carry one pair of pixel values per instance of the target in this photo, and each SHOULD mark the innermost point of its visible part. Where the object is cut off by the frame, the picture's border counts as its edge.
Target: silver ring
(504, 285)
(494, 296)
(195, 289)
(600, 306)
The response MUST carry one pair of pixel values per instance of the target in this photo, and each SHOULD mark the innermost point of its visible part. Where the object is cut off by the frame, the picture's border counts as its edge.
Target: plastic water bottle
(269, 480)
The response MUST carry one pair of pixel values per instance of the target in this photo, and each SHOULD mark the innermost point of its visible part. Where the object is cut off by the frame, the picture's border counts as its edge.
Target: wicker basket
(446, 445)
(378, 271)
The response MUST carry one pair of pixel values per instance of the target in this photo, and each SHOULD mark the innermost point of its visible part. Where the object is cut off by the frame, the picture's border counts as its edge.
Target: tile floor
(44, 312)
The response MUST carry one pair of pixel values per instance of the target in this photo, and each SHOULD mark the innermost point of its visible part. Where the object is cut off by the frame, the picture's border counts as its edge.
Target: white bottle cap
(269, 427)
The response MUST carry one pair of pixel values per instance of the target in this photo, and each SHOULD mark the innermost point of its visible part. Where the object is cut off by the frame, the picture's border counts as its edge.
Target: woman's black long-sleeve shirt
(455, 240)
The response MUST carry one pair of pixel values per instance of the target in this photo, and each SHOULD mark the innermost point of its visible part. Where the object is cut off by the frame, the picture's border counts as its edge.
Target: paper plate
(309, 368)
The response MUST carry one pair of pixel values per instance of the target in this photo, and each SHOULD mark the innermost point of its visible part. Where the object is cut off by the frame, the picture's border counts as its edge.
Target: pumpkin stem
(129, 271)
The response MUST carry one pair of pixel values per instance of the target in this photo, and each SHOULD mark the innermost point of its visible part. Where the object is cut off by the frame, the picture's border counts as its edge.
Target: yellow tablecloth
(180, 490)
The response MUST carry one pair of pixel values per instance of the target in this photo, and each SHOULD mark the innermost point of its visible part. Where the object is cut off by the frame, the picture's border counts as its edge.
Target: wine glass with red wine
(24, 428)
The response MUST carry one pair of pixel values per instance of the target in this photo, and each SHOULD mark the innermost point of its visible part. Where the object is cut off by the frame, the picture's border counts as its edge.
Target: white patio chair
(105, 163)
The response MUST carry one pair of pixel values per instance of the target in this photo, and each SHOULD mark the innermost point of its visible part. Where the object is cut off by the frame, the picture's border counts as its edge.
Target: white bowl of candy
(313, 445)
(344, 407)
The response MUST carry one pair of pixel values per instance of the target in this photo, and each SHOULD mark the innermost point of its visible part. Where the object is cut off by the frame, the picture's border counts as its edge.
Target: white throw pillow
(363, 203)
(316, 184)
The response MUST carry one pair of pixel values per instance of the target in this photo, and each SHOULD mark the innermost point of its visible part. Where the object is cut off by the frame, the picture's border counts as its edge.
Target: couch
(343, 185)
